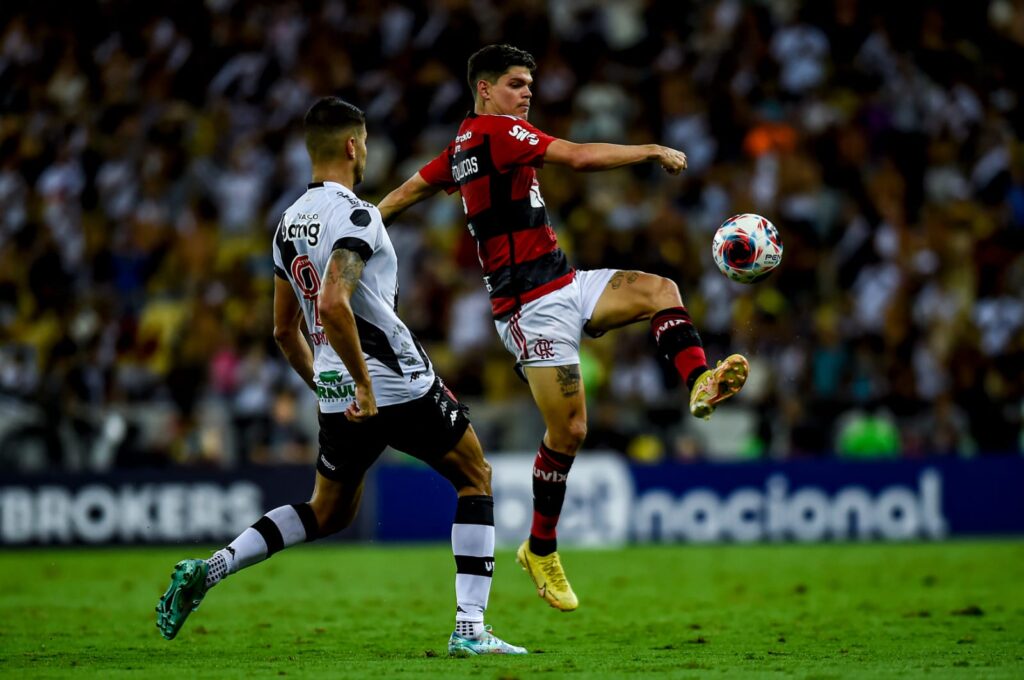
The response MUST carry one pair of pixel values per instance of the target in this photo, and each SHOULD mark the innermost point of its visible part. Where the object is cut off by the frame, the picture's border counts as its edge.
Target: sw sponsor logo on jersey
(464, 169)
(489, 565)
(553, 476)
(524, 135)
(296, 232)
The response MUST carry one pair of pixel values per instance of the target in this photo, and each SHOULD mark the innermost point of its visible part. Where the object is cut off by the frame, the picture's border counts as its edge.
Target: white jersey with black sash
(327, 217)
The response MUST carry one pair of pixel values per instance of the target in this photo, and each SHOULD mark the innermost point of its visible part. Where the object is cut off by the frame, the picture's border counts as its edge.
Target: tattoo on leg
(569, 380)
(632, 276)
(616, 280)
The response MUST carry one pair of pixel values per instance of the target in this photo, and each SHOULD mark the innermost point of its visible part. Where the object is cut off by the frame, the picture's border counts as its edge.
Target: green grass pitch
(334, 611)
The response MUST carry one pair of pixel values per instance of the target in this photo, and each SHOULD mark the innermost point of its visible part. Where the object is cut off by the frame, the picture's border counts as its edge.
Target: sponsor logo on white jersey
(309, 231)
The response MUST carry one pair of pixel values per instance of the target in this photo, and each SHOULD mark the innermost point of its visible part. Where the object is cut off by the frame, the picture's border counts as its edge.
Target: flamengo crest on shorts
(547, 331)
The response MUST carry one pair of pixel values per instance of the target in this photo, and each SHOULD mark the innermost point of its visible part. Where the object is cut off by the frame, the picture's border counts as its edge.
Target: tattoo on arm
(569, 380)
(348, 267)
(616, 280)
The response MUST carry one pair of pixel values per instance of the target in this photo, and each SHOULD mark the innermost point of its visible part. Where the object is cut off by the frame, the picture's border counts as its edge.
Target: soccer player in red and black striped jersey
(541, 304)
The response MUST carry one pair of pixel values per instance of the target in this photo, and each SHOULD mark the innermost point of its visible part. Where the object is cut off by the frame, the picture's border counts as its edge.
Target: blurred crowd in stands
(148, 149)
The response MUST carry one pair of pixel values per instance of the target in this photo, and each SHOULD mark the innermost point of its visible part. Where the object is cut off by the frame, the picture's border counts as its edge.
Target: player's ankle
(542, 547)
(219, 566)
(471, 630)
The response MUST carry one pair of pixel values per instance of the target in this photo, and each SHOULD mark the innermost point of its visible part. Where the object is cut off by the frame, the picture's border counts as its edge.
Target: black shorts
(426, 428)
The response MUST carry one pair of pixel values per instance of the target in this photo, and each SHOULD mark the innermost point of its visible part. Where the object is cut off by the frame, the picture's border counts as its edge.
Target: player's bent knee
(481, 476)
(665, 294)
(578, 431)
(336, 522)
(474, 476)
(331, 515)
(570, 438)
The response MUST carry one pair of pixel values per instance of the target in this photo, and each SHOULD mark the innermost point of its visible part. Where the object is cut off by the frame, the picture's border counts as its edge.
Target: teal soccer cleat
(187, 590)
(487, 644)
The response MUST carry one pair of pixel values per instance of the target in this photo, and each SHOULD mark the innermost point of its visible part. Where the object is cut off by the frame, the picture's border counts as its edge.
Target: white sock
(473, 546)
(278, 529)
(469, 629)
(218, 567)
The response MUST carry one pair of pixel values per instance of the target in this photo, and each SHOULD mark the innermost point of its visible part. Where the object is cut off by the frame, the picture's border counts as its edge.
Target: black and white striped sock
(473, 545)
(278, 529)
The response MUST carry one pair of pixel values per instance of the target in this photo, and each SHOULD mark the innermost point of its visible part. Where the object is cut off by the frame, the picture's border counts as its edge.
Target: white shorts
(547, 331)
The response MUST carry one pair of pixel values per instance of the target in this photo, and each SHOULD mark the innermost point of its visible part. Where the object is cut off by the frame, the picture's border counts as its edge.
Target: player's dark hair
(492, 61)
(328, 123)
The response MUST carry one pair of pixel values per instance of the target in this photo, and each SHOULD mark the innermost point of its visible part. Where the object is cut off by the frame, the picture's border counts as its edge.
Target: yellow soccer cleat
(718, 384)
(549, 577)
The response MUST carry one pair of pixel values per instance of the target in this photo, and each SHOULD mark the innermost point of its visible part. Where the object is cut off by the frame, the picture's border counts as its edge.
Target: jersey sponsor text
(524, 135)
(309, 231)
(465, 168)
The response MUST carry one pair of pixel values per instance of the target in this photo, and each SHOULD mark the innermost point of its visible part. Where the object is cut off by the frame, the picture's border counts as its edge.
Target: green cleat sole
(187, 590)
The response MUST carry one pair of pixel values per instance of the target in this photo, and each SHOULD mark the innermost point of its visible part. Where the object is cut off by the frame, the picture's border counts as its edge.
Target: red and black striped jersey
(492, 163)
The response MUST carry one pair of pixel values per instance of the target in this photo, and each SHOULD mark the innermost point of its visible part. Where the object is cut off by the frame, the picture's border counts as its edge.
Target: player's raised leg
(473, 547)
(559, 394)
(332, 508)
(632, 296)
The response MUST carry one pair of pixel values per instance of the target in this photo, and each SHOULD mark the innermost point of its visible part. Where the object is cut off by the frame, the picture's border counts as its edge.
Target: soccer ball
(747, 248)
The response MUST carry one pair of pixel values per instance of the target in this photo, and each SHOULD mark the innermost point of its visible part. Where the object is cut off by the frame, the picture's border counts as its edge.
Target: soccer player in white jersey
(336, 269)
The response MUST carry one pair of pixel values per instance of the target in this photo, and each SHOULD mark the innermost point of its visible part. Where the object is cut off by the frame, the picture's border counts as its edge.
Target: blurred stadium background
(146, 150)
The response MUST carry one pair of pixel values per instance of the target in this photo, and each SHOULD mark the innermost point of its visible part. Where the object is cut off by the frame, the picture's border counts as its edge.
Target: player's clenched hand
(672, 160)
(364, 406)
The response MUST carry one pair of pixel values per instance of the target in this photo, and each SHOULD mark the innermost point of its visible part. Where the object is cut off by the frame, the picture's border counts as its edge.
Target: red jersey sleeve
(438, 172)
(516, 142)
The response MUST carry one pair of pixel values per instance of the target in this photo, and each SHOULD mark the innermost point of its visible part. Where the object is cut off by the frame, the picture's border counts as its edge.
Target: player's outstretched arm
(287, 333)
(412, 191)
(600, 156)
(340, 282)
